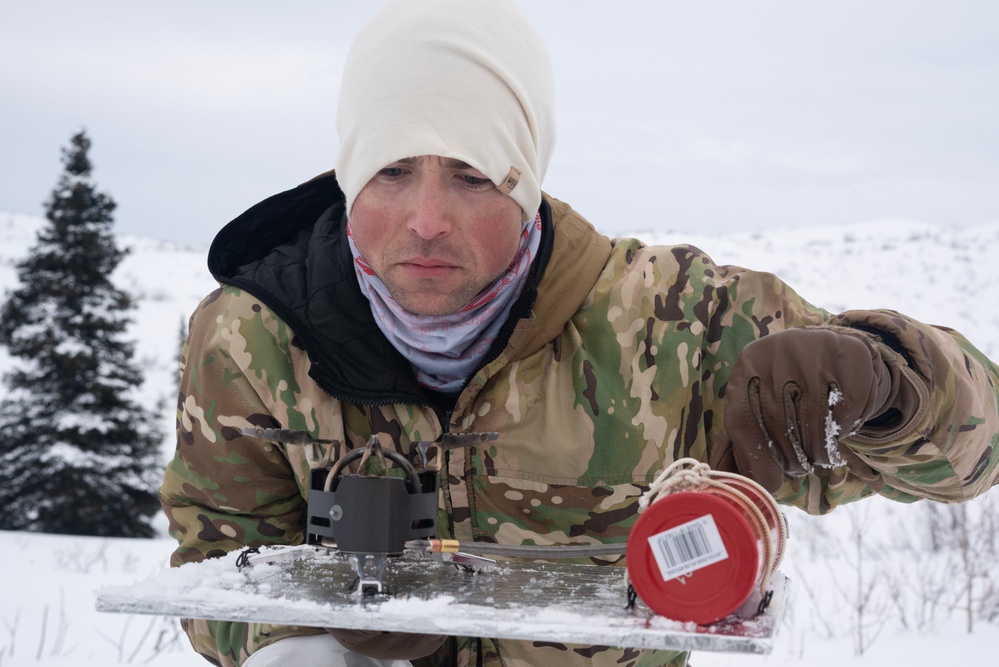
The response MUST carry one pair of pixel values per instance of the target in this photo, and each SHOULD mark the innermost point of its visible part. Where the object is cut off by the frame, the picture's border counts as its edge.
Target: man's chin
(430, 304)
(430, 309)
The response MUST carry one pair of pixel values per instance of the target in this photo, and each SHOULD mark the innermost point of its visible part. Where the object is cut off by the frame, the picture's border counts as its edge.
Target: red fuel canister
(706, 544)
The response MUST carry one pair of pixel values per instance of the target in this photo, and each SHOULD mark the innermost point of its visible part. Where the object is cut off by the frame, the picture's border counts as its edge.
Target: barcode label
(688, 547)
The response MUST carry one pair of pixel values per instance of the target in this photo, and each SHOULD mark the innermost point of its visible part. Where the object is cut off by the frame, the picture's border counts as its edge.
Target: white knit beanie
(462, 79)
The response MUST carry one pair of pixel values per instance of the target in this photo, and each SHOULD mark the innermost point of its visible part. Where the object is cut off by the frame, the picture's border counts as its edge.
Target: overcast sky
(673, 115)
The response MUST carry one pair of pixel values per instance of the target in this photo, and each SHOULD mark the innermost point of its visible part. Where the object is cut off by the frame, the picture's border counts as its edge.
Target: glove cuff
(905, 398)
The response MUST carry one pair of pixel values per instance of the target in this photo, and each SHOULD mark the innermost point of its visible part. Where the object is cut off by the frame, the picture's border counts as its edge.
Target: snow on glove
(387, 645)
(793, 395)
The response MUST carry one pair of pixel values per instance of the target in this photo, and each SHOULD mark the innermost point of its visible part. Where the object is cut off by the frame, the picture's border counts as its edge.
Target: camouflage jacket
(613, 365)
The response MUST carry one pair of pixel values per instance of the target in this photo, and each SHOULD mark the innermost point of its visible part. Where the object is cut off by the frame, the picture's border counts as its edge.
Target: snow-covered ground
(914, 615)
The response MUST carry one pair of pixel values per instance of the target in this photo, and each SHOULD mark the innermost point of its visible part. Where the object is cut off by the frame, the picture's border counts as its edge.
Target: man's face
(436, 231)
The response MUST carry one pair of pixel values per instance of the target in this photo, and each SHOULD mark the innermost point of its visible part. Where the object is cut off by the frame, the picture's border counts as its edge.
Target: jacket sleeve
(948, 452)
(222, 491)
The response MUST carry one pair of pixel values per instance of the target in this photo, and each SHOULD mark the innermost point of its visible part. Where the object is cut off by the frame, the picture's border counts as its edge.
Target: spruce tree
(78, 454)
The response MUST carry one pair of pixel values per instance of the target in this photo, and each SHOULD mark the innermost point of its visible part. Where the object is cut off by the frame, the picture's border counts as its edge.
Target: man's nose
(430, 215)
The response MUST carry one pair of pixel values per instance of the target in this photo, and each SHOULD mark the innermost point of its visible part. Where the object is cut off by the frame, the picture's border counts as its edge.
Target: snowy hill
(939, 275)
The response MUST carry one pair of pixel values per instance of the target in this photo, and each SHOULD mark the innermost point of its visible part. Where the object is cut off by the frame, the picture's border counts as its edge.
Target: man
(428, 286)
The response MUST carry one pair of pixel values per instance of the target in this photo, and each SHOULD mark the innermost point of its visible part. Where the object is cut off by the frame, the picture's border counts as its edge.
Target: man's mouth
(429, 263)
(426, 267)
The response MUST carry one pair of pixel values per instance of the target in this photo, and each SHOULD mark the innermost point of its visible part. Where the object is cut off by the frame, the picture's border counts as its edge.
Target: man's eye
(474, 181)
(391, 172)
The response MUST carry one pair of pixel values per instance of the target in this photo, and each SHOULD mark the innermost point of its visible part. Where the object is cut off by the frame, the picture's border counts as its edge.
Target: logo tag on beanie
(510, 182)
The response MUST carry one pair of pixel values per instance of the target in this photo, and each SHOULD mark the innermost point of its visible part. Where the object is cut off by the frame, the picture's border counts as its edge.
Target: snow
(937, 274)
(833, 429)
(47, 609)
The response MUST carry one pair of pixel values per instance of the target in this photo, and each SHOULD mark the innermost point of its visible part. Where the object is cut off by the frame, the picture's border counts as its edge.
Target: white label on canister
(688, 547)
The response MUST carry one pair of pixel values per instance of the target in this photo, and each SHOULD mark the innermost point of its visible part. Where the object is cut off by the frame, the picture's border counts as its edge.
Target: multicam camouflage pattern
(620, 371)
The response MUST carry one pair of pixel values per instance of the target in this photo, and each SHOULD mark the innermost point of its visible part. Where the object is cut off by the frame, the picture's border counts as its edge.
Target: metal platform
(572, 604)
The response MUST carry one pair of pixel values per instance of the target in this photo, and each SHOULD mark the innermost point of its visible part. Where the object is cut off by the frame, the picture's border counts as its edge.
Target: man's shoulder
(230, 305)
(580, 242)
(653, 262)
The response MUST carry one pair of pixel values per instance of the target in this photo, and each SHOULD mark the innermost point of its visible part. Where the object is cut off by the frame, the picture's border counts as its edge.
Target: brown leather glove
(793, 395)
(387, 645)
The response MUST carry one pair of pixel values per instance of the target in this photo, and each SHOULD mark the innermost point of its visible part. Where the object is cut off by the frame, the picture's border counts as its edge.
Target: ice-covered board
(551, 602)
